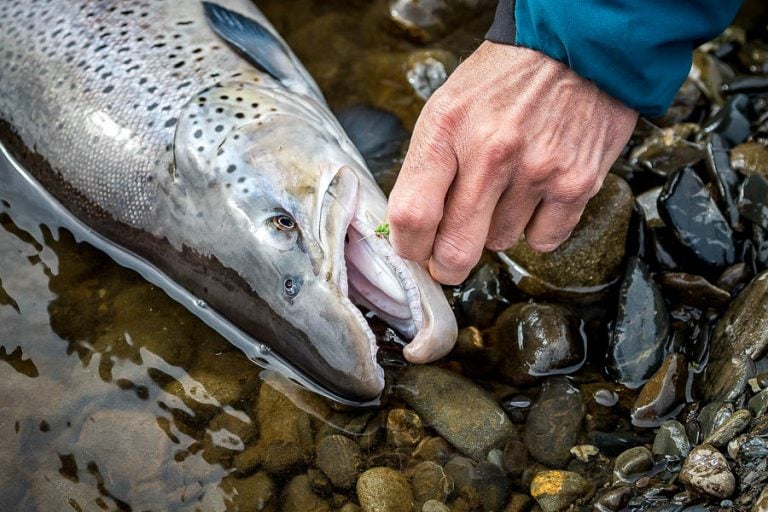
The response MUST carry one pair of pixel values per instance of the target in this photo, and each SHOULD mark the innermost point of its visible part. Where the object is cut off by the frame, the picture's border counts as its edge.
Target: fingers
(462, 233)
(512, 214)
(556, 216)
(417, 200)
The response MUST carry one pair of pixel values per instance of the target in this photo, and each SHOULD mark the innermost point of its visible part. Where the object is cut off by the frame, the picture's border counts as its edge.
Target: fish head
(273, 191)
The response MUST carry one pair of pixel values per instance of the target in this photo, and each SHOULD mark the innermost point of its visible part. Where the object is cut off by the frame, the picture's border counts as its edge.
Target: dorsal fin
(259, 45)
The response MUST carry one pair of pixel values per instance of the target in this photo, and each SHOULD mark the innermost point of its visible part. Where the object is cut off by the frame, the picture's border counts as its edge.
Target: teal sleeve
(638, 51)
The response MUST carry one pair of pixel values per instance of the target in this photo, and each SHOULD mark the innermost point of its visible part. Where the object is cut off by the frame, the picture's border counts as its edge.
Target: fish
(188, 137)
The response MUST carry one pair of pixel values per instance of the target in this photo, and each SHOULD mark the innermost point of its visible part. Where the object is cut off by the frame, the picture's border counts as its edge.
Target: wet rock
(298, 495)
(430, 483)
(750, 158)
(606, 397)
(631, 464)
(285, 441)
(383, 490)
(481, 298)
(584, 452)
(699, 226)
(713, 415)
(52, 492)
(734, 278)
(732, 121)
(404, 428)
(758, 404)
(469, 344)
(442, 399)
(589, 261)
(693, 290)
(492, 485)
(730, 428)
(435, 449)
(761, 504)
(515, 458)
(648, 203)
(671, 439)
(425, 20)
(747, 448)
(558, 490)
(534, 340)
(706, 470)
(339, 458)
(616, 498)
(554, 421)
(636, 348)
(435, 506)
(516, 408)
(461, 470)
(753, 199)
(518, 502)
(667, 150)
(664, 395)
(254, 493)
(739, 339)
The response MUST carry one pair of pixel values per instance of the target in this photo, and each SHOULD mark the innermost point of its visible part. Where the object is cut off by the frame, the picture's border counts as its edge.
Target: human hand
(514, 142)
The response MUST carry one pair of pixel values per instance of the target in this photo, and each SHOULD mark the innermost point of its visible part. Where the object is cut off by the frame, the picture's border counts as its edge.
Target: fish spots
(219, 128)
(108, 89)
(198, 133)
(231, 168)
(170, 122)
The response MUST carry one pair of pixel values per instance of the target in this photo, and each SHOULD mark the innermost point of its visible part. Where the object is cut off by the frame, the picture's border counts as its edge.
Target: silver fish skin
(239, 186)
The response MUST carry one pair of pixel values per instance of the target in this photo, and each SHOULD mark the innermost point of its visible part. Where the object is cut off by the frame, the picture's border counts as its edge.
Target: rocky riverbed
(628, 370)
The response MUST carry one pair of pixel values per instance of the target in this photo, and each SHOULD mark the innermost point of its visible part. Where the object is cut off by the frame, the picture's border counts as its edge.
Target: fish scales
(113, 75)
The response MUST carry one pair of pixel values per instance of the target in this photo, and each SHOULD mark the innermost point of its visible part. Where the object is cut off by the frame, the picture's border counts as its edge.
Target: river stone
(713, 415)
(750, 158)
(298, 495)
(553, 423)
(758, 404)
(482, 297)
(383, 489)
(254, 493)
(430, 483)
(664, 151)
(739, 339)
(672, 440)
(53, 492)
(404, 428)
(459, 410)
(339, 458)
(435, 506)
(693, 290)
(423, 21)
(558, 490)
(285, 441)
(632, 464)
(534, 340)
(589, 260)
(706, 470)
(637, 344)
(662, 396)
(615, 498)
(761, 503)
(747, 448)
(730, 428)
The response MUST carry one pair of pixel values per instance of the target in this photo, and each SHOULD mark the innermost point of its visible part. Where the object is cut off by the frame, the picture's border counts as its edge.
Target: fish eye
(291, 286)
(283, 222)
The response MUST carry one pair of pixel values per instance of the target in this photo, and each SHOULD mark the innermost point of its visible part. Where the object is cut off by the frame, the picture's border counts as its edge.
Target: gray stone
(632, 463)
(558, 490)
(758, 404)
(430, 483)
(554, 421)
(383, 489)
(589, 261)
(706, 470)
(747, 448)
(671, 439)
(435, 506)
(730, 428)
(739, 339)
(713, 415)
(535, 340)
(340, 459)
(463, 413)
(761, 503)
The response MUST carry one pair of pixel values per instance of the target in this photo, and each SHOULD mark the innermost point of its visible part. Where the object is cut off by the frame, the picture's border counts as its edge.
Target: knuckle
(453, 255)
(412, 218)
(574, 191)
(499, 244)
(496, 151)
(538, 168)
(443, 112)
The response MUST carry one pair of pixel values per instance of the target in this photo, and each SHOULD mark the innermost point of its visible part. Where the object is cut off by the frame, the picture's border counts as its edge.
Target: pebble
(481, 298)
(554, 421)
(750, 158)
(761, 503)
(458, 409)
(383, 489)
(632, 464)
(730, 428)
(740, 338)
(253, 493)
(615, 498)
(404, 428)
(665, 151)
(299, 495)
(535, 340)
(558, 490)
(713, 415)
(340, 459)
(706, 470)
(435, 506)
(515, 458)
(430, 483)
(664, 395)
(747, 448)
(584, 452)
(589, 261)
(693, 290)
(671, 439)
(758, 404)
(637, 344)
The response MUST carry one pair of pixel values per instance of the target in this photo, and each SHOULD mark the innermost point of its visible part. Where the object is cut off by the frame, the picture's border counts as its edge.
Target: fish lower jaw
(379, 280)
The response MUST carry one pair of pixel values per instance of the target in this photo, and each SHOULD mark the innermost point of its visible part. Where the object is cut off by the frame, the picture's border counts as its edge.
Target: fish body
(190, 135)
